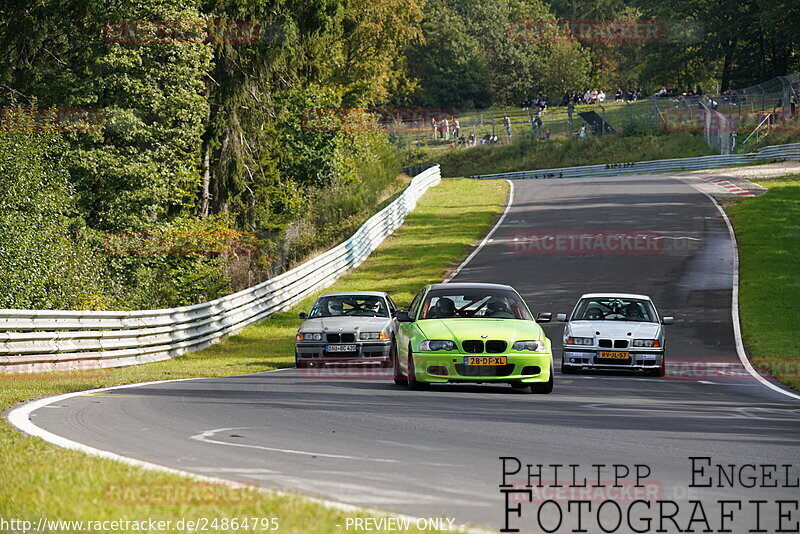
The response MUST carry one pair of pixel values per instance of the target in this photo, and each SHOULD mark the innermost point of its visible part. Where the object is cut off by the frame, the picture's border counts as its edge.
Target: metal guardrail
(791, 151)
(45, 340)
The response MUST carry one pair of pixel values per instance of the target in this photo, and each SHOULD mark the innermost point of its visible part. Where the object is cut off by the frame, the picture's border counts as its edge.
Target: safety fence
(780, 152)
(47, 340)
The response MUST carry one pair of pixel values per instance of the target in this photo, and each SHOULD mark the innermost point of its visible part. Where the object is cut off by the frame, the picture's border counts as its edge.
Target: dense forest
(185, 165)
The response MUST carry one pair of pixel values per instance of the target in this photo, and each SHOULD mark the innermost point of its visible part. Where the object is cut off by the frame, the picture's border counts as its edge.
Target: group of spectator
(598, 97)
(537, 105)
(446, 128)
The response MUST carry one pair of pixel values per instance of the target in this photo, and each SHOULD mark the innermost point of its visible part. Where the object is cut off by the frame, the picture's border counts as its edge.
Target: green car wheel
(412, 375)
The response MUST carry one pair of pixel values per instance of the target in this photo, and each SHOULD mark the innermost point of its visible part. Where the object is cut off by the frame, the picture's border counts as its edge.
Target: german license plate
(484, 360)
(614, 355)
(340, 348)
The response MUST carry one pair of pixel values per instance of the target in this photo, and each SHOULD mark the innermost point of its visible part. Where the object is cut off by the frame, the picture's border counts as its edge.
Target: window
(486, 304)
(614, 309)
(349, 305)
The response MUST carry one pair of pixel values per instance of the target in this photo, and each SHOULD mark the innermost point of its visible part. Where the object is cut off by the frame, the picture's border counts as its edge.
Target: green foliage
(472, 59)
(45, 258)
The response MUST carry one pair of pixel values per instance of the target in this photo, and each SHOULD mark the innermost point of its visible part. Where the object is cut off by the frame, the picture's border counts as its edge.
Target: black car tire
(544, 387)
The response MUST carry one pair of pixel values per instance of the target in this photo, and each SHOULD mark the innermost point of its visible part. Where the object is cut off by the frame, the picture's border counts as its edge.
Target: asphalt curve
(363, 441)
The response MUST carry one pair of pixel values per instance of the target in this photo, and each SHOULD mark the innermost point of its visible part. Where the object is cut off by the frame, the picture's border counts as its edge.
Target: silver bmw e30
(352, 326)
(614, 331)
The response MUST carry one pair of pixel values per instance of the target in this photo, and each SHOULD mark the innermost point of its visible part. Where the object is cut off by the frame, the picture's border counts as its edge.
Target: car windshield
(615, 309)
(349, 305)
(488, 304)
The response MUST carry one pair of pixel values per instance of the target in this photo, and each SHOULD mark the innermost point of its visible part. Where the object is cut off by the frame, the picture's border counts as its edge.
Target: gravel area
(756, 172)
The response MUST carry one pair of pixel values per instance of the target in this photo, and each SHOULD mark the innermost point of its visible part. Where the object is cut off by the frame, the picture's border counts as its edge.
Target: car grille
(340, 338)
(494, 346)
(473, 346)
(616, 343)
(484, 370)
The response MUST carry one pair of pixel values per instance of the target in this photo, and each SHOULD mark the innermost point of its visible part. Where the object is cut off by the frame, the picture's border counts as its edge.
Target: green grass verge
(768, 232)
(40, 480)
(527, 154)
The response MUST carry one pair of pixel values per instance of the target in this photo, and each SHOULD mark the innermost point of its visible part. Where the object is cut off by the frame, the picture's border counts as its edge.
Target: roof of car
(470, 285)
(615, 295)
(356, 293)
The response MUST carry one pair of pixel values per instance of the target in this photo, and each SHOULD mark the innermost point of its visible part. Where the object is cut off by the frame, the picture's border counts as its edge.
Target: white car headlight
(579, 341)
(437, 344)
(533, 346)
(372, 335)
(309, 336)
(651, 343)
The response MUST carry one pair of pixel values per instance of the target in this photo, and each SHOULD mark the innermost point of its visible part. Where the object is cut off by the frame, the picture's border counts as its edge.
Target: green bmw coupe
(472, 333)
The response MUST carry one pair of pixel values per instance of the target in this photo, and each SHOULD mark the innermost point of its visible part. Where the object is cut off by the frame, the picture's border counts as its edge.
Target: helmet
(594, 314)
(633, 310)
(335, 307)
(445, 307)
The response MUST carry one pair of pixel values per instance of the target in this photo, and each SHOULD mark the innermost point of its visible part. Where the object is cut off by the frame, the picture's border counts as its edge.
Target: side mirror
(667, 320)
(561, 317)
(303, 315)
(404, 317)
(544, 317)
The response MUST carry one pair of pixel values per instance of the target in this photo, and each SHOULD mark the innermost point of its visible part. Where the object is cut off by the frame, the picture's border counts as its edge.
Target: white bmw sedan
(614, 331)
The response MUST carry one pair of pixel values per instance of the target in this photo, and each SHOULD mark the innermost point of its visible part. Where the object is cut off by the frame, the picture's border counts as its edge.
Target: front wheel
(412, 375)
(298, 363)
(544, 387)
(399, 378)
(662, 369)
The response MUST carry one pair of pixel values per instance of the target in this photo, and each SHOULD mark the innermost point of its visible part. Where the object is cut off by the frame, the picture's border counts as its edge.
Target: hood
(347, 324)
(509, 330)
(613, 329)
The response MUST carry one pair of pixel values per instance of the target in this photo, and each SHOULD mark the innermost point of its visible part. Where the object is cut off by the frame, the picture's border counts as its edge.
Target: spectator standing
(456, 128)
(433, 126)
(507, 124)
(446, 129)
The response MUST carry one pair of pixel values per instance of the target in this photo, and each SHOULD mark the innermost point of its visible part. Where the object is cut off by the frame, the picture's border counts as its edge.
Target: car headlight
(534, 346)
(437, 344)
(651, 343)
(580, 341)
(306, 336)
(372, 335)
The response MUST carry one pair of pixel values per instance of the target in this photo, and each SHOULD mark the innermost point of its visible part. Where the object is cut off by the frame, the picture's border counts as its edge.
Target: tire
(412, 375)
(544, 388)
(662, 369)
(298, 363)
(399, 378)
(566, 369)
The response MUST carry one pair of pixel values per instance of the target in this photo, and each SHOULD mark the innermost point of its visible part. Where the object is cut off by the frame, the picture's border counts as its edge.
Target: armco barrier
(791, 151)
(44, 340)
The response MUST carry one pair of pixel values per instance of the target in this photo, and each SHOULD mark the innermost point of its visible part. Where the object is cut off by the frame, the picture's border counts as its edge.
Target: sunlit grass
(768, 234)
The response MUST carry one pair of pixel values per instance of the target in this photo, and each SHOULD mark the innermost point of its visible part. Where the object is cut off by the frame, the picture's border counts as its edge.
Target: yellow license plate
(484, 360)
(614, 355)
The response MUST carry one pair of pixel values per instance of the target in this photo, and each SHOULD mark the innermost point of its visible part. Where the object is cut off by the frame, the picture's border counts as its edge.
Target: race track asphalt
(361, 440)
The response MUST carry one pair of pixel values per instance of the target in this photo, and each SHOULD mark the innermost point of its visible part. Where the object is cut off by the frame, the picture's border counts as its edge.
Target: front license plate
(340, 348)
(484, 360)
(614, 355)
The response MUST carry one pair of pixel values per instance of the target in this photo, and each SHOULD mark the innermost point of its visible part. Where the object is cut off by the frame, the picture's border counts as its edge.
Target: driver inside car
(594, 314)
(335, 307)
(444, 308)
(633, 312)
(497, 307)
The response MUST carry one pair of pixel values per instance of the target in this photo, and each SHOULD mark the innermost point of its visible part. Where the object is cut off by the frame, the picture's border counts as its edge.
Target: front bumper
(590, 359)
(367, 352)
(442, 368)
